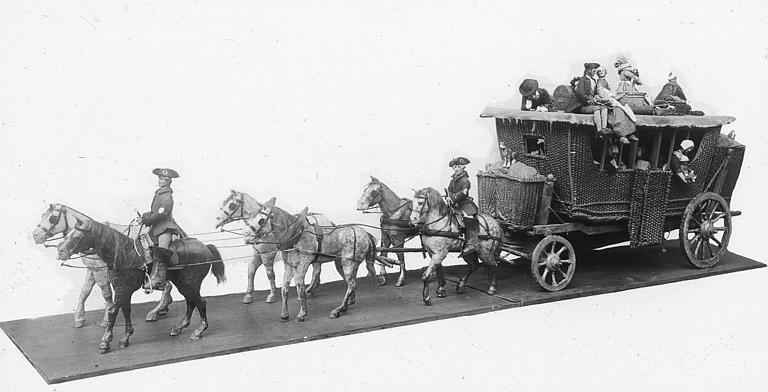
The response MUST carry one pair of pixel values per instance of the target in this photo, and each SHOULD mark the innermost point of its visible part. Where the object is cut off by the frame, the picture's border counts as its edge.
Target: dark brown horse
(396, 227)
(118, 251)
(303, 244)
(440, 234)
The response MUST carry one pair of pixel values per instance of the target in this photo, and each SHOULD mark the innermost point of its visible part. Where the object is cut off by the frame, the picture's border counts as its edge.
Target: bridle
(54, 221)
(268, 220)
(230, 212)
(75, 248)
(371, 204)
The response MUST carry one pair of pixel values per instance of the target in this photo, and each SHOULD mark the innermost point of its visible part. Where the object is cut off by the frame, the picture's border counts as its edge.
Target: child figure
(606, 97)
(506, 155)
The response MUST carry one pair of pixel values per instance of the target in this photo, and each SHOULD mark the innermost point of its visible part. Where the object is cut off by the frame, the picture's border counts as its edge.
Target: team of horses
(119, 256)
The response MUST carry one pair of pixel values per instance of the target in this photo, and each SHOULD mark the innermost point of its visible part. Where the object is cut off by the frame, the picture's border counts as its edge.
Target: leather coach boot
(472, 226)
(161, 258)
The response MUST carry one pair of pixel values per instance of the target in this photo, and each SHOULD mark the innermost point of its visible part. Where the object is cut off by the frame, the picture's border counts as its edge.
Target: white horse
(60, 218)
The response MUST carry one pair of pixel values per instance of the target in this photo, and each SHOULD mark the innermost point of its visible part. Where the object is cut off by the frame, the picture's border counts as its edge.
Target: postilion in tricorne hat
(458, 161)
(165, 172)
(591, 65)
(529, 87)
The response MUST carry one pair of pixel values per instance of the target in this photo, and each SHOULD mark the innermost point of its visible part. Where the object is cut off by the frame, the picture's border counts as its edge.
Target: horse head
(371, 195)
(426, 201)
(259, 223)
(76, 241)
(231, 209)
(53, 221)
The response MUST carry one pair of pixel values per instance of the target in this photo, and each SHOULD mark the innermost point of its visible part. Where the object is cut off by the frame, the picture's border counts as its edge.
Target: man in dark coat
(458, 191)
(535, 98)
(162, 226)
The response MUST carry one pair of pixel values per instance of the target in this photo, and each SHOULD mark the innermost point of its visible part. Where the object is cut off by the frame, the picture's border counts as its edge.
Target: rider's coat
(160, 217)
(458, 190)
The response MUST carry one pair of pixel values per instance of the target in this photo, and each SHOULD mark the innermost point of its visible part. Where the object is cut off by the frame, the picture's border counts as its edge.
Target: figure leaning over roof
(535, 97)
(458, 191)
(162, 226)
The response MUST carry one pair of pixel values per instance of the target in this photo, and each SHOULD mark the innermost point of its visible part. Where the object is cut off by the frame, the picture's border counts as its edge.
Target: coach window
(535, 145)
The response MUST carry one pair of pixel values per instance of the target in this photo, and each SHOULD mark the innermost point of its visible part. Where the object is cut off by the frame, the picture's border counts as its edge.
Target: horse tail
(217, 266)
(371, 255)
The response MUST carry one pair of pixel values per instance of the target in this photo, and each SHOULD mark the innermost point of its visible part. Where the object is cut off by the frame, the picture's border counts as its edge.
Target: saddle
(182, 248)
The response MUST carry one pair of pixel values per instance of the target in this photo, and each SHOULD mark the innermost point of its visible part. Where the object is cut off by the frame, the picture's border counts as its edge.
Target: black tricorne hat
(591, 65)
(528, 87)
(458, 161)
(165, 172)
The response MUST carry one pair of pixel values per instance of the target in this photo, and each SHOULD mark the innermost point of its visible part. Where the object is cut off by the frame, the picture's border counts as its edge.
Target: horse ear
(270, 203)
(374, 179)
(304, 212)
(79, 222)
(233, 192)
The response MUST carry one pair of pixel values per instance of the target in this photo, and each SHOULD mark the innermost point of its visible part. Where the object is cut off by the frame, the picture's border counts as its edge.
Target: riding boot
(472, 227)
(161, 258)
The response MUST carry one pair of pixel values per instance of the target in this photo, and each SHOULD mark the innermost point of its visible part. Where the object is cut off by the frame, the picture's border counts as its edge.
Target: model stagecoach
(587, 203)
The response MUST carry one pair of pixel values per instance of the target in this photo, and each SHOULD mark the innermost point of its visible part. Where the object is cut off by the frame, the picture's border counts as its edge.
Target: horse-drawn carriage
(589, 204)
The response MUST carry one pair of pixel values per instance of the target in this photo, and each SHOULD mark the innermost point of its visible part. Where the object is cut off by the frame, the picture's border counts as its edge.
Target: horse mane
(112, 246)
(435, 199)
(72, 209)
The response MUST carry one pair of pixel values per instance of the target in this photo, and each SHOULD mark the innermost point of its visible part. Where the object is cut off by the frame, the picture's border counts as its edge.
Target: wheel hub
(707, 228)
(553, 262)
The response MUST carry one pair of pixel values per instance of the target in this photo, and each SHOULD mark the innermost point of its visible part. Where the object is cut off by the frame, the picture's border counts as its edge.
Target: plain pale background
(304, 102)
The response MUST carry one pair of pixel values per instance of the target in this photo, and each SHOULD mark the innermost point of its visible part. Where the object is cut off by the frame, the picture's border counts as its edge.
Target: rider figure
(162, 226)
(458, 191)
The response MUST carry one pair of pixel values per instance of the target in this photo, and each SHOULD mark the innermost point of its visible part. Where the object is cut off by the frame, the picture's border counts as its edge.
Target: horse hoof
(103, 323)
(124, 344)
(343, 309)
(79, 323)
(460, 288)
(334, 314)
(174, 332)
(427, 301)
(103, 348)
(247, 299)
(284, 317)
(270, 298)
(382, 281)
(400, 283)
(195, 336)
(441, 293)
(150, 318)
(491, 291)
(299, 319)
(163, 311)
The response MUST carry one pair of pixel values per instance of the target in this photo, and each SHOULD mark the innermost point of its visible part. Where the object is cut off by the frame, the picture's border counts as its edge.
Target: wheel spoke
(554, 279)
(712, 213)
(695, 238)
(717, 218)
(698, 246)
(559, 252)
(709, 248)
(694, 220)
(719, 244)
(696, 230)
(720, 228)
(552, 248)
(544, 275)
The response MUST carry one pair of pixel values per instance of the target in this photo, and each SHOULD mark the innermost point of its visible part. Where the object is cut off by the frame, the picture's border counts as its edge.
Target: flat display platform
(61, 353)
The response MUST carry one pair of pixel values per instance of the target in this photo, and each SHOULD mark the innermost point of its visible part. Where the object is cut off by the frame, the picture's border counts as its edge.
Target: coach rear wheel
(553, 263)
(705, 230)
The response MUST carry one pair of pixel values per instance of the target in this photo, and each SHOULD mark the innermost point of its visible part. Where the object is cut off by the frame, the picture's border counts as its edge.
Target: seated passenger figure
(458, 191)
(679, 162)
(672, 94)
(534, 97)
(642, 163)
(585, 101)
(621, 128)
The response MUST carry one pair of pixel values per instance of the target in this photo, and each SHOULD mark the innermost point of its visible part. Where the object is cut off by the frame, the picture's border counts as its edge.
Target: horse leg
(84, 293)
(491, 268)
(350, 276)
(371, 267)
(101, 276)
(301, 288)
(106, 338)
(124, 342)
(472, 266)
(252, 267)
(184, 322)
(440, 292)
(401, 257)
(316, 269)
(436, 258)
(201, 310)
(386, 242)
(162, 305)
(287, 276)
(269, 267)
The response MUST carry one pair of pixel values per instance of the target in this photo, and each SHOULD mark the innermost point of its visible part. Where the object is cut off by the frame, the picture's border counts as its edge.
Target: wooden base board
(61, 353)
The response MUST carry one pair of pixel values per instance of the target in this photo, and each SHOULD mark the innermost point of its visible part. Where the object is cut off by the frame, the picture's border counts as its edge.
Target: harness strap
(319, 236)
(439, 233)
(396, 222)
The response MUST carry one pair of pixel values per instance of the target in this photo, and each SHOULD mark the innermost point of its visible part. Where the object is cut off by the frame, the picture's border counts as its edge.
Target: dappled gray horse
(303, 244)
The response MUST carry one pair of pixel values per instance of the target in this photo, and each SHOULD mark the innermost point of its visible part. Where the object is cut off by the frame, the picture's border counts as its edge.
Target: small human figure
(672, 94)
(506, 155)
(162, 226)
(604, 96)
(629, 76)
(585, 101)
(534, 97)
(458, 191)
(679, 162)
(641, 163)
